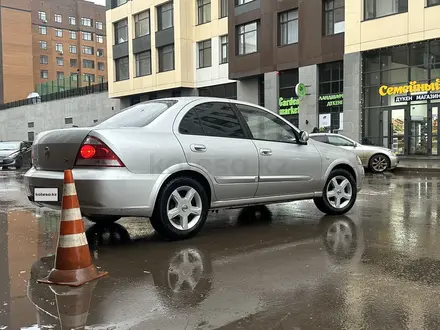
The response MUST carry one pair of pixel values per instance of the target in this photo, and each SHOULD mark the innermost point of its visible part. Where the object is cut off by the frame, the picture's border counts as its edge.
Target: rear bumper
(109, 191)
(360, 175)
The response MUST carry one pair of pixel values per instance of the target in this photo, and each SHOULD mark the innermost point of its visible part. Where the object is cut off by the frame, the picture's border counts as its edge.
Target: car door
(214, 140)
(340, 141)
(285, 166)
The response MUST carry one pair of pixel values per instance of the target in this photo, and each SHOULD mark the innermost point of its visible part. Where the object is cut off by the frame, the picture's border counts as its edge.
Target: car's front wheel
(181, 209)
(379, 163)
(339, 194)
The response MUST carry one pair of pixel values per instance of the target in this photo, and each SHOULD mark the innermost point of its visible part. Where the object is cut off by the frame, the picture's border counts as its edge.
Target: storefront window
(331, 87)
(227, 91)
(288, 100)
(400, 88)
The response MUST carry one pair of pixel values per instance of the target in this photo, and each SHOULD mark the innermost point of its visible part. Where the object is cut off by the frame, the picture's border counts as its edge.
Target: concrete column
(271, 91)
(352, 96)
(308, 106)
(247, 90)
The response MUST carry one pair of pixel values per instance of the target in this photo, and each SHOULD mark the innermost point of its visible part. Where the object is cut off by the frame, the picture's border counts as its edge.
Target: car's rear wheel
(339, 194)
(379, 163)
(181, 209)
(103, 219)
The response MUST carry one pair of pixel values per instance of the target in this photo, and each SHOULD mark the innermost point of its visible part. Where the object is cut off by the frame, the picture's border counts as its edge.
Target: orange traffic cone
(73, 262)
(73, 305)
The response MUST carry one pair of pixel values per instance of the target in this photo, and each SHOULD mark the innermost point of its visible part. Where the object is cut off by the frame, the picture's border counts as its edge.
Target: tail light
(94, 152)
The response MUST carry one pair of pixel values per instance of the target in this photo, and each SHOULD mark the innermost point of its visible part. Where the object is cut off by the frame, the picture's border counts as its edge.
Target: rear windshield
(139, 115)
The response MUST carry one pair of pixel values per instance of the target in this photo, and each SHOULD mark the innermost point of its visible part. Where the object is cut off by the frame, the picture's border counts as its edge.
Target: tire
(103, 219)
(19, 163)
(379, 163)
(174, 228)
(328, 204)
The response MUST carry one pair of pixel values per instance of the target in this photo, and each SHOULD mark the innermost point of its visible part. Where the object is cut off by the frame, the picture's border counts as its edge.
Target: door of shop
(434, 137)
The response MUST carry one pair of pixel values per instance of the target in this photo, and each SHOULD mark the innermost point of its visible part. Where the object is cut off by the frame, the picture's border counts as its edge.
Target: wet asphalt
(278, 267)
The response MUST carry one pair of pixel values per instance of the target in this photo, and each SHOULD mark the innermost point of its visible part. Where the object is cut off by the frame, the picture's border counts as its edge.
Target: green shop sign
(288, 106)
(332, 100)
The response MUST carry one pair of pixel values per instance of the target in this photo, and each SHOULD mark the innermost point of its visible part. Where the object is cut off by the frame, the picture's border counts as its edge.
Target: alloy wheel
(184, 208)
(339, 192)
(379, 163)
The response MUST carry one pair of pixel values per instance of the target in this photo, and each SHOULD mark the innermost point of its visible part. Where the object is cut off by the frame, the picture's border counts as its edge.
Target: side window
(191, 124)
(320, 138)
(339, 141)
(218, 119)
(265, 126)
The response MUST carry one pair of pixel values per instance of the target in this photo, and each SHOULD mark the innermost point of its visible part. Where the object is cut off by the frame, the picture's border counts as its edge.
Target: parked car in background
(377, 159)
(15, 154)
(174, 159)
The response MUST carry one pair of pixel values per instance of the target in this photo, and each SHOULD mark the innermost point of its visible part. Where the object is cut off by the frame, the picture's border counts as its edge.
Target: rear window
(139, 115)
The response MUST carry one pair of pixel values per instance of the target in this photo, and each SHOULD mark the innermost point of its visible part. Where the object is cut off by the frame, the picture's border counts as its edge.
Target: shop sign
(288, 106)
(418, 97)
(412, 87)
(300, 90)
(332, 100)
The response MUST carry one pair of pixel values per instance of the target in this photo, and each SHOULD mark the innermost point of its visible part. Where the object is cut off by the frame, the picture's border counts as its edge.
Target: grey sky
(99, 2)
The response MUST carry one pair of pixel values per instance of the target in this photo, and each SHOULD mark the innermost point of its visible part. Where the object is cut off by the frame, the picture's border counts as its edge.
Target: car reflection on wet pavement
(276, 267)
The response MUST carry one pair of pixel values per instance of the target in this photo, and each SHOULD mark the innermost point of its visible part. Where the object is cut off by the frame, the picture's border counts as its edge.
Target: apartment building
(392, 56)
(163, 48)
(278, 46)
(41, 40)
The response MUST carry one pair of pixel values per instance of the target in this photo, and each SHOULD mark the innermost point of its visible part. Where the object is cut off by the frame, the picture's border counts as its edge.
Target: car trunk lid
(56, 150)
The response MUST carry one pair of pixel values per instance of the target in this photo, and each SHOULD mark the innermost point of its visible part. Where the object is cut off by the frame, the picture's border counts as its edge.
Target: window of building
(242, 2)
(59, 33)
(121, 32)
(72, 20)
(226, 91)
(72, 35)
(89, 78)
(381, 8)
(43, 44)
(120, 2)
(99, 39)
(121, 67)
(31, 136)
(88, 64)
(330, 98)
(73, 49)
(166, 58)
(334, 16)
(44, 74)
(99, 25)
(58, 18)
(87, 36)
(74, 76)
(288, 103)
(68, 121)
(73, 62)
(288, 27)
(218, 119)
(42, 29)
(203, 11)
(433, 3)
(204, 49)
(100, 52)
(101, 79)
(247, 38)
(142, 24)
(101, 66)
(261, 97)
(87, 50)
(31, 124)
(86, 21)
(42, 15)
(143, 64)
(165, 16)
(224, 49)
(44, 59)
(60, 61)
(59, 47)
(60, 75)
(223, 8)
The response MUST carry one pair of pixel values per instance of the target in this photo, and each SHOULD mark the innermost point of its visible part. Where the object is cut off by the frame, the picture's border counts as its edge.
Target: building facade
(392, 74)
(37, 44)
(275, 45)
(163, 48)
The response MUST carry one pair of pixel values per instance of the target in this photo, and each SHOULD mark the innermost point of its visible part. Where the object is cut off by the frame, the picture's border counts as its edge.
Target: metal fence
(58, 95)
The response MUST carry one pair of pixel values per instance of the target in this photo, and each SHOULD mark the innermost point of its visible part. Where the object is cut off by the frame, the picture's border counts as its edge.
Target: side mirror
(303, 137)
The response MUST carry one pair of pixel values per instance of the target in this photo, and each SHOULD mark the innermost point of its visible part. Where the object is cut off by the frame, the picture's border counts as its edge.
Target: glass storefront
(228, 91)
(288, 101)
(401, 98)
(330, 98)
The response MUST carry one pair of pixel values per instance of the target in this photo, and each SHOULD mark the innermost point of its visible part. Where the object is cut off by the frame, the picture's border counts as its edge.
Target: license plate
(46, 194)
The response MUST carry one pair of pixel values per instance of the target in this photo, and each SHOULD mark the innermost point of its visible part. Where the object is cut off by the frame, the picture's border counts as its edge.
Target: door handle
(198, 148)
(266, 152)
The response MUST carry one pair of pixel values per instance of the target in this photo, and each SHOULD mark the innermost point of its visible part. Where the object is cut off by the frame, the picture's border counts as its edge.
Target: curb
(404, 169)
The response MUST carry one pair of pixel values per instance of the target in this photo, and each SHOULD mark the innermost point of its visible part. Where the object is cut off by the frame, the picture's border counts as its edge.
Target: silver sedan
(378, 159)
(173, 160)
